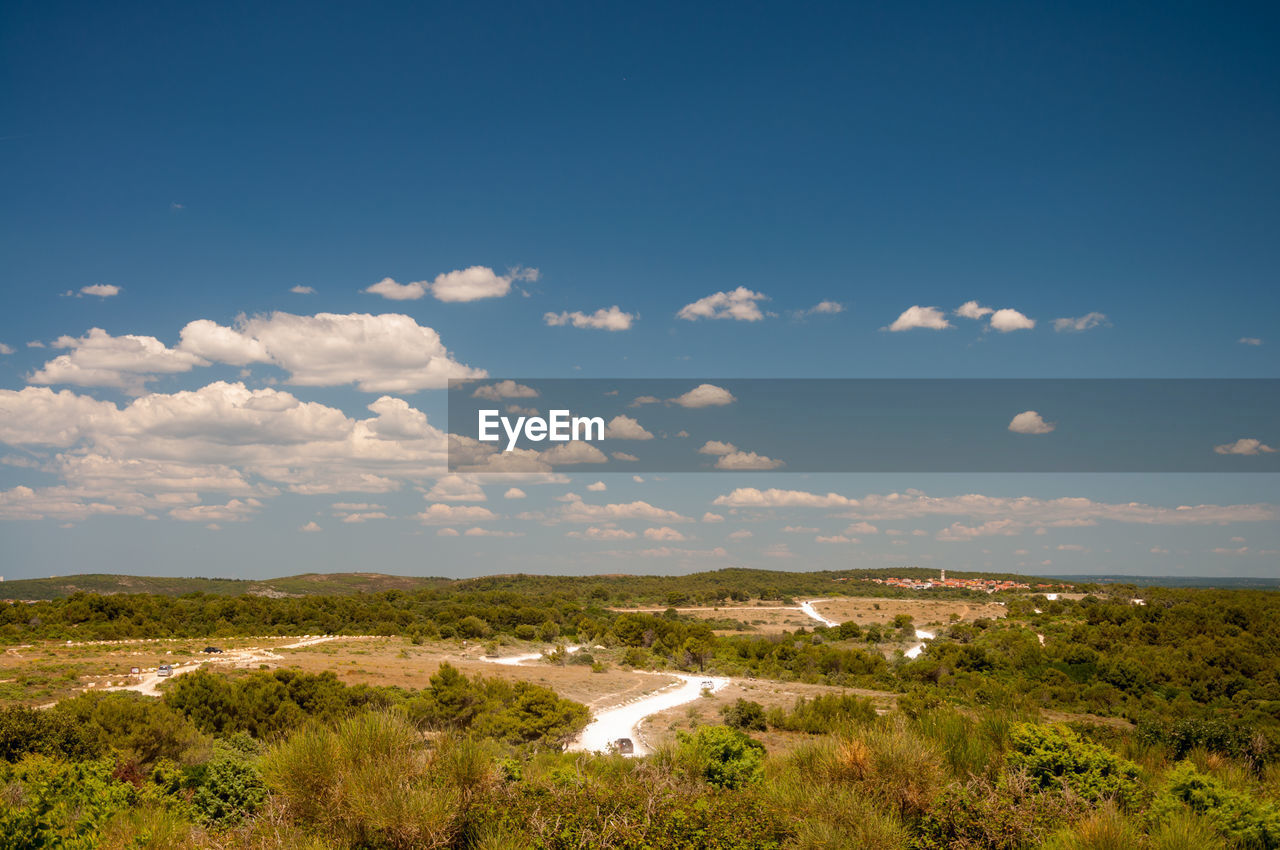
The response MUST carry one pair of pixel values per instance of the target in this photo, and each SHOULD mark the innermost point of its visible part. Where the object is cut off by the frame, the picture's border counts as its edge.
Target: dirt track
(149, 682)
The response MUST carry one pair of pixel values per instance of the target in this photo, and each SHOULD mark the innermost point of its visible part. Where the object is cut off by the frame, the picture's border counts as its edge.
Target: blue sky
(1091, 162)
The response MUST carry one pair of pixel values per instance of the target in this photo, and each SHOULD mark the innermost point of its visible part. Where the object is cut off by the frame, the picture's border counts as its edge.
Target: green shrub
(515, 712)
(229, 787)
(25, 730)
(824, 713)
(720, 756)
(632, 807)
(1055, 756)
(58, 804)
(1010, 815)
(1233, 814)
(744, 714)
(142, 729)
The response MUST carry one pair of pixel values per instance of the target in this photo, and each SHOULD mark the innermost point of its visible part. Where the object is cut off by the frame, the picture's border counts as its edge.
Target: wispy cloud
(610, 319)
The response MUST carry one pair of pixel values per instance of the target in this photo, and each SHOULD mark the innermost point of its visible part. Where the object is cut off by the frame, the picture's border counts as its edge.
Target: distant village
(985, 585)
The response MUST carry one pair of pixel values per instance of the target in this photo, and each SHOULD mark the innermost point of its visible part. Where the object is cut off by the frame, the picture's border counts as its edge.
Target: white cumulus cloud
(828, 308)
(1009, 319)
(626, 428)
(594, 533)
(389, 352)
(745, 461)
(705, 395)
(442, 514)
(920, 317)
(456, 488)
(102, 290)
(665, 533)
(504, 389)
(1028, 511)
(127, 362)
(973, 310)
(1244, 446)
(1030, 422)
(610, 319)
(740, 304)
(469, 284)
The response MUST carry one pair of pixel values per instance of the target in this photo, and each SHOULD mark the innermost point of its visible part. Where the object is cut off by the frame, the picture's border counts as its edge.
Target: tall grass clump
(966, 750)
(1105, 829)
(370, 781)
(1185, 830)
(886, 762)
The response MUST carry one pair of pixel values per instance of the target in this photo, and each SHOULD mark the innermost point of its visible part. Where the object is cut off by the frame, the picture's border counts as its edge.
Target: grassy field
(44, 673)
(925, 612)
(769, 617)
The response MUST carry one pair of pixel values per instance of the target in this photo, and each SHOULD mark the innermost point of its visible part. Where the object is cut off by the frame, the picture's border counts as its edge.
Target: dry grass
(768, 617)
(869, 611)
(663, 726)
(48, 672)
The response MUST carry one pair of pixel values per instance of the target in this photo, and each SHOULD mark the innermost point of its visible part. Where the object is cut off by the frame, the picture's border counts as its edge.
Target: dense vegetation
(1094, 722)
(353, 773)
(1185, 655)
(648, 590)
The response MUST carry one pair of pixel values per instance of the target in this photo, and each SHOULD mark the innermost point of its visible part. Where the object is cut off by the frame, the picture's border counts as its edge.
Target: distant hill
(307, 584)
(337, 584)
(1221, 582)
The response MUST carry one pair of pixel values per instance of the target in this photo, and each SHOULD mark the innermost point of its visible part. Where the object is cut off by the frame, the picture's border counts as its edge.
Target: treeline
(527, 607)
(468, 614)
(1182, 658)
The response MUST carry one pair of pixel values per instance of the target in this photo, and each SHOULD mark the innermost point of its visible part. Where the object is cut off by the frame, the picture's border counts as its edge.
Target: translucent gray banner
(638, 425)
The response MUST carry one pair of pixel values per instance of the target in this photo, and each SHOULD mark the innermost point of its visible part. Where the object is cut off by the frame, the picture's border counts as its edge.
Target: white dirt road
(621, 721)
(808, 609)
(149, 682)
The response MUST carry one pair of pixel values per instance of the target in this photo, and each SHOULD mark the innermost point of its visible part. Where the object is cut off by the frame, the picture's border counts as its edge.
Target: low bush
(1237, 816)
(24, 731)
(823, 714)
(721, 756)
(368, 781)
(1057, 757)
(744, 714)
(980, 815)
(58, 804)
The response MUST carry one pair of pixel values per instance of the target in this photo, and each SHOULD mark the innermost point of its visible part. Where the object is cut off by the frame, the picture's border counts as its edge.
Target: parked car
(708, 685)
(165, 670)
(211, 649)
(624, 746)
